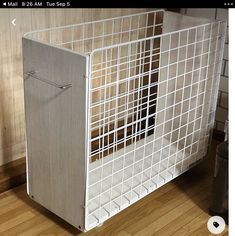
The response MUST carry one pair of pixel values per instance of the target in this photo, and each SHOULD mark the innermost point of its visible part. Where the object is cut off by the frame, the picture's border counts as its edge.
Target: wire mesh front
(152, 106)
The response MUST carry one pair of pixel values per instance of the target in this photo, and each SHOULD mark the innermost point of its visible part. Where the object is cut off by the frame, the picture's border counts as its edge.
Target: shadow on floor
(22, 195)
(202, 172)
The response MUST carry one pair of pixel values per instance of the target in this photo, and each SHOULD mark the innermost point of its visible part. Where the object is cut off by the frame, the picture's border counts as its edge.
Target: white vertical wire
(89, 147)
(154, 133)
(129, 71)
(154, 23)
(112, 168)
(172, 121)
(116, 107)
(177, 140)
(102, 121)
(147, 110)
(207, 69)
(199, 79)
(126, 124)
(182, 99)
(137, 115)
(142, 93)
(142, 72)
(156, 119)
(134, 101)
(115, 131)
(164, 119)
(121, 38)
(108, 125)
(155, 126)
(121, 31)
(126, 110)
(93, 35)
(190, 95)
(111, 55)
(133, 83)
(134, 93)
(103, 138)
(83, 35)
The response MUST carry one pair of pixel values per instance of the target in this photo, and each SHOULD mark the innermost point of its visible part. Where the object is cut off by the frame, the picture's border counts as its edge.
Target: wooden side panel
(55, 127)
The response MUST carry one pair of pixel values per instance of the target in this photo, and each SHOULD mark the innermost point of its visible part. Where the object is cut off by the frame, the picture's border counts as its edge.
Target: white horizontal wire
(155, 37)
(160, 97)
(159, 125)
(94, 22)
(139, 161)
(162, 51)
(153, 71)
(105, 35)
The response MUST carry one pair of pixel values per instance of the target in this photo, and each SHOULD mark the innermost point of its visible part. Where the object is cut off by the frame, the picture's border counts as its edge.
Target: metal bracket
(60, 86)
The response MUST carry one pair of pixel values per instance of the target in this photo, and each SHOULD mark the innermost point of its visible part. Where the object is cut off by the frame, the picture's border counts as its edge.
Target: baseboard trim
(12, 174)
(12, 153)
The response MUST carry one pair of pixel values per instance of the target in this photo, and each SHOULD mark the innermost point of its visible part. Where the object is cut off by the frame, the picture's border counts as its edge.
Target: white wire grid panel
(85, 37)
(151, 103)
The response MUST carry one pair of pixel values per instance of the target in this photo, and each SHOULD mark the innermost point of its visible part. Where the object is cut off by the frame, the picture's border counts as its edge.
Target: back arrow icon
(13, 22)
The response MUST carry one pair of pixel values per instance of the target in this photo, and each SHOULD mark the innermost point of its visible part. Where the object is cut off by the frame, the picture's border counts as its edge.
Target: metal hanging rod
(60, 86)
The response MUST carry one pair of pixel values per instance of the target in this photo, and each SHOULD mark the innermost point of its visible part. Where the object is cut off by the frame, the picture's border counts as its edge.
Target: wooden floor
(178, 208)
